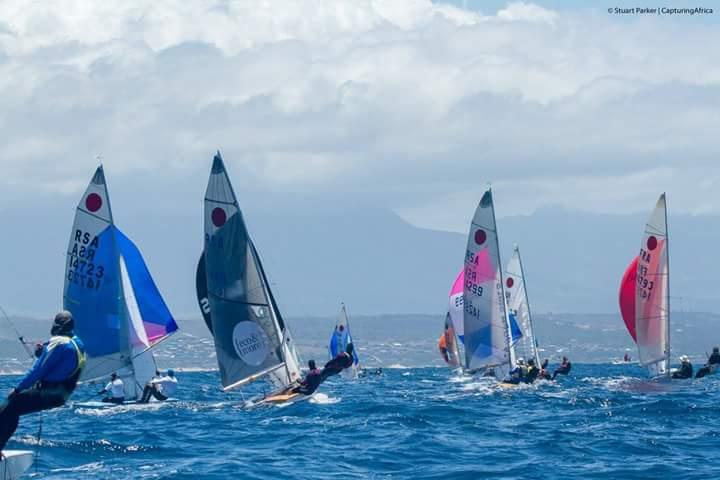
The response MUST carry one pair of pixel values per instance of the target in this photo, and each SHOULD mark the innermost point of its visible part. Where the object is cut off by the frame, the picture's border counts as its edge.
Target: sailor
(544, 373)
(338, 364)
(517, 374)
(442, 346)
(563, 369)
(532, 372)
(51, 380)
(626, 358)
(686, 368)
(311, 382)
(116, 389)
(713, 359)
(161, 387)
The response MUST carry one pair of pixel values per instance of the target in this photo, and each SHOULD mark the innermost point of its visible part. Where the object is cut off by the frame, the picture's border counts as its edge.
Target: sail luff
(667, 294)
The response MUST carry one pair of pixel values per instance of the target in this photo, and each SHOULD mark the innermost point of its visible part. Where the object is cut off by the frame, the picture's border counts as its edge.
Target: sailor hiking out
(50, 381)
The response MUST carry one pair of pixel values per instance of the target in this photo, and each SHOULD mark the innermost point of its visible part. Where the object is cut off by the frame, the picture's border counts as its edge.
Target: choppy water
(603, 421)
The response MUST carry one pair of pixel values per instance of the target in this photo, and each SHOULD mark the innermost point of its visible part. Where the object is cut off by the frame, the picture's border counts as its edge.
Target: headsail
(250, 337)
(521, 326)
(339, 340)
(652, 294)
(627, 297)
(455, 309)
(118, 310)
(485, 320)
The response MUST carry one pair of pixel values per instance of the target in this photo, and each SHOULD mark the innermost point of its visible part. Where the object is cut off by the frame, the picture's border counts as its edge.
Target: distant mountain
(318, 255)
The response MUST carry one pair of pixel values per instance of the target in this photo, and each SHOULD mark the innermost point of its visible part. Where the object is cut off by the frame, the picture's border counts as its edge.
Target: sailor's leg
(146, 394)
(23, 403)
(9, 420)
(158, 396)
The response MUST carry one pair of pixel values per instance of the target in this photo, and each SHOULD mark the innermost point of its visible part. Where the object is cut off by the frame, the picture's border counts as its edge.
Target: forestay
(652, 294)
(484, 314)
(118, 310)
(251, 339)
(521, 326)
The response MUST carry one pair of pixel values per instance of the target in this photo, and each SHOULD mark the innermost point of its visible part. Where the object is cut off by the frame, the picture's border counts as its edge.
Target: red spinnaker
(627, 297)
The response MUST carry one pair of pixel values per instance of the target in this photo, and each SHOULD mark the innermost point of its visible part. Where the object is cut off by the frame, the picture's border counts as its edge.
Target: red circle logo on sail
(218, 217)
(93, 202)
(651, 243)
(509, 282)
(480, 237)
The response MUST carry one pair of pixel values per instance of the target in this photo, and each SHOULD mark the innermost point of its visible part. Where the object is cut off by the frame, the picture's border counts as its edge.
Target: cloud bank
(410, 105)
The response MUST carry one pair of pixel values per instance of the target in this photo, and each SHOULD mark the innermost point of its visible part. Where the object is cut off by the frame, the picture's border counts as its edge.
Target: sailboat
(118, 310)
(14, 463)
(252, 340)
(645, 295)
(524, 343)
(339, 340)
(448, 345)
(485, 322)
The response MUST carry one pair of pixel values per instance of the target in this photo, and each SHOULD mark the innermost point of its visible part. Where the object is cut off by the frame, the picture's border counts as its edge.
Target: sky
(409, 106)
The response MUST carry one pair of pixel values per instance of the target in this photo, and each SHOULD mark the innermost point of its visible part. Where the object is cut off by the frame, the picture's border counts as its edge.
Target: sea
(412, 421)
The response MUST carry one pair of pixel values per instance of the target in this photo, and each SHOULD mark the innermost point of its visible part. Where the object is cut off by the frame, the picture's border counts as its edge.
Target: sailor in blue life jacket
(311, 382)
(517, 374)
(50, 381)
(338, 364)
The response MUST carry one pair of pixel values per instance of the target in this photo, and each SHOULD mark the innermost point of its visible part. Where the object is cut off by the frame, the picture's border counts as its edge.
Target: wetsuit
(563, 369)
(336, 365)
(312, 381)
(686, 371)
(47, 385)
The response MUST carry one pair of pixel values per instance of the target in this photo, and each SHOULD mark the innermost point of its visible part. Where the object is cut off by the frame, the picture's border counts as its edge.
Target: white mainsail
(652, 294)
(485, 320)
(519, 308)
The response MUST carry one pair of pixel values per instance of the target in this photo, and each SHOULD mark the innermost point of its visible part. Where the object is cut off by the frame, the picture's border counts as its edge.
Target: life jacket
(80, 356)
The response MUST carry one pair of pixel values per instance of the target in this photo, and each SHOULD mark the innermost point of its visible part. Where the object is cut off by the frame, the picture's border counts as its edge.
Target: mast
(503, 305)
(667, 254)
(527, 304)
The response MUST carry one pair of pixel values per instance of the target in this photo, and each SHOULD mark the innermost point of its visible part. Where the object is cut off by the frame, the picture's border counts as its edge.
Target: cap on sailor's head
(716, 350)
(520, 360)
(684, 358)
(63, 323)
(171, 373)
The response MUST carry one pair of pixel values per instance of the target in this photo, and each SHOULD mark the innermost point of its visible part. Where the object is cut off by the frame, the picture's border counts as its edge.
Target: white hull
(15, 463)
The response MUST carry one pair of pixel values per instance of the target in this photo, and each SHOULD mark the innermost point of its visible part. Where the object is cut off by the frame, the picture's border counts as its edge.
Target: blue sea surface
(602, 421)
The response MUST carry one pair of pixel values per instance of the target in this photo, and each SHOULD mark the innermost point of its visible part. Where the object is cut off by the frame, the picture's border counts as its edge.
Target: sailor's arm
(38, 370)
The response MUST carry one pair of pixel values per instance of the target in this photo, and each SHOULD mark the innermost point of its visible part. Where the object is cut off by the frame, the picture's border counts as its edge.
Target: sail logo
(250, 342)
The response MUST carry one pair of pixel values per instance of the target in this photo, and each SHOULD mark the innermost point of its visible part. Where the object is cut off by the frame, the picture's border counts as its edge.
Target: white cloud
(411, 105)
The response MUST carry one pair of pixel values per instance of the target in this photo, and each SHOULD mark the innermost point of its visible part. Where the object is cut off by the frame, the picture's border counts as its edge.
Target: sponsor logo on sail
(250, 342)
